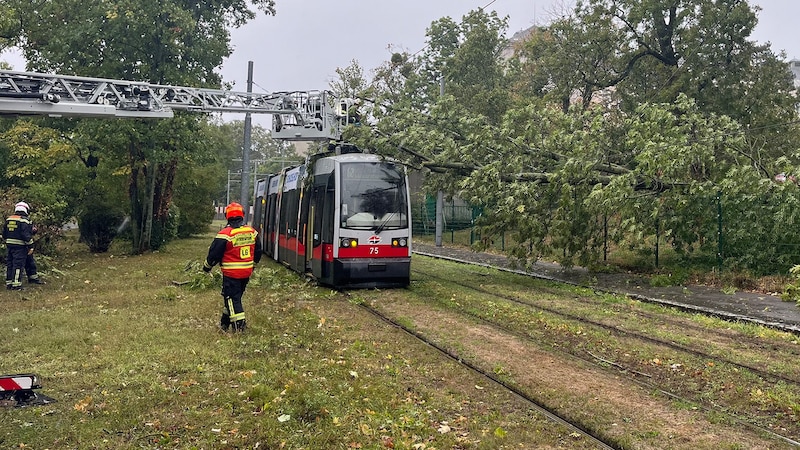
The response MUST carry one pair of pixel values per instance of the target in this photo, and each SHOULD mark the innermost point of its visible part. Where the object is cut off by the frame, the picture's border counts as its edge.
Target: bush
(791, 292)
(195, 220)
(98, 227)
(166, 231)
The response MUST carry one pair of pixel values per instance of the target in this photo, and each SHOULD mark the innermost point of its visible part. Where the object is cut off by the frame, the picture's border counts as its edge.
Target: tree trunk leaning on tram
(237, 249)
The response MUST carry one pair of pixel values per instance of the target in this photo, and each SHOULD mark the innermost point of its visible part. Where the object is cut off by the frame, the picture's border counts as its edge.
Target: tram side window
(327, 212)
(269, 223)
(316, 205)
(289, 213)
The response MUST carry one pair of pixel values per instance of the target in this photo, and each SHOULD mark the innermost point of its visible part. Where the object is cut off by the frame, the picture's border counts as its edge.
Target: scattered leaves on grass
(84, 404)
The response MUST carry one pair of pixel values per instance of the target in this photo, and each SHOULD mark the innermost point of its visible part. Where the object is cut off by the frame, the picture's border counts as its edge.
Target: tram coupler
(18, 390)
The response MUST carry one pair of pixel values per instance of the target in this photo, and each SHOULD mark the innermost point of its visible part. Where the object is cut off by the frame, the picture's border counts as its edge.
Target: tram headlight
(348, 243)
(399, 242)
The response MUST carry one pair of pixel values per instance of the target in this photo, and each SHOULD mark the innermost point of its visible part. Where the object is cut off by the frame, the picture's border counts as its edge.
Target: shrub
(99, 226)
(165, 231)
(791, 293)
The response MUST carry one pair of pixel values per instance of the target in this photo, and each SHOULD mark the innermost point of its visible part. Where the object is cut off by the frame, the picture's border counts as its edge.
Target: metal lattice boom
(297, 115)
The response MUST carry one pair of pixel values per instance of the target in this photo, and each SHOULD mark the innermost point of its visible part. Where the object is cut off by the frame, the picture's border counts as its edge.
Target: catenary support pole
(248, 123)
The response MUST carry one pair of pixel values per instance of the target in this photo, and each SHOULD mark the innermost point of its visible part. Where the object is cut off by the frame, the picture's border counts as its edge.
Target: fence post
(719, 230)
(439, 217)
(605, 237)
(657, 233)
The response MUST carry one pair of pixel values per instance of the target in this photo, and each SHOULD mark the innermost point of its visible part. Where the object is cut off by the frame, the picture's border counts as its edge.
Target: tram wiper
(383, 224)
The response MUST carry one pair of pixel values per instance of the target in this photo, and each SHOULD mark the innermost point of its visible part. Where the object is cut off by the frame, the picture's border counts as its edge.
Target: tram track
(636, 376)
(627, 333)
(520, 387)
(532, 403)
(499, 263)
(607, 341)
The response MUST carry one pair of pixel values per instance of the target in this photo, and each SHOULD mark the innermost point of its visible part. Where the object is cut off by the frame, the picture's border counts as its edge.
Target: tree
(35, 166)
(170, 42)
(351, 83)
(655, 50)
(555, 166)
(269, 154)
(467, 58)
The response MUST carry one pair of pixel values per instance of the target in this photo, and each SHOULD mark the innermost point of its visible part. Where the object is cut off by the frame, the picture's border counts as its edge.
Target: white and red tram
(342, 218)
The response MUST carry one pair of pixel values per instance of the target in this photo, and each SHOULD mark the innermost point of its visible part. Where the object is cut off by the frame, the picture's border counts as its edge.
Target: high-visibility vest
(238, 259)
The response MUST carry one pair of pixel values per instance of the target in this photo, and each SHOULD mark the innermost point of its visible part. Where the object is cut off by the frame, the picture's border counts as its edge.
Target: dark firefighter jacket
(18, 230)
(236, 248)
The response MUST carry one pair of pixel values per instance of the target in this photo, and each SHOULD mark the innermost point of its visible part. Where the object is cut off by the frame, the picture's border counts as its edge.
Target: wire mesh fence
(763, 254)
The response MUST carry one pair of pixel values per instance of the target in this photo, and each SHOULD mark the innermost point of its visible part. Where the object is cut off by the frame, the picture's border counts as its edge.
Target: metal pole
(658, 230)
(248, 123)
(440, 194)
(439, 217)
(605, 237)
(228, 192)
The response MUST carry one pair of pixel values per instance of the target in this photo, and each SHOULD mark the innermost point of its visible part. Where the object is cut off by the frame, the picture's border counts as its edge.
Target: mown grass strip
(135, 361)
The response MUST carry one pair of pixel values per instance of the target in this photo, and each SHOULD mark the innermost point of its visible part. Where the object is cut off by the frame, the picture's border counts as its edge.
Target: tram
(343, 218)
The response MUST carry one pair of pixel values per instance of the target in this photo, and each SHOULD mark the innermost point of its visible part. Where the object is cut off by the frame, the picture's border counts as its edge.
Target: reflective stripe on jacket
(18, 230)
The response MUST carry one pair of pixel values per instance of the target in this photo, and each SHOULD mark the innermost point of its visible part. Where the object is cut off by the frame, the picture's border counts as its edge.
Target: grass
(129, 348)
(705, 381)
(136, 361)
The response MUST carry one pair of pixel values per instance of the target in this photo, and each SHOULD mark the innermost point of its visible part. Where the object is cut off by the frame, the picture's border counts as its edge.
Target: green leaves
(34, 150)
(622, 122)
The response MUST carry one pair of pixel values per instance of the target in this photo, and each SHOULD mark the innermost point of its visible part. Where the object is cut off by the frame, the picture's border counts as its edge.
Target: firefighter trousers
(232, 308)
(16, 259)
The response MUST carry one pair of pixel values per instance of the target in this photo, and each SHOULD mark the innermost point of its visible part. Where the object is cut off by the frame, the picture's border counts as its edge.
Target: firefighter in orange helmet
(236, 248)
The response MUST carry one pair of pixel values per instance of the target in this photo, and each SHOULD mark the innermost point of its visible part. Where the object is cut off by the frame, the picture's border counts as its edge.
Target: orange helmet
(234, 210)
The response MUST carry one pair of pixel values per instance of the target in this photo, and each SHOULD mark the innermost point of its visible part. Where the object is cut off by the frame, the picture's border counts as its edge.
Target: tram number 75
(373, 250)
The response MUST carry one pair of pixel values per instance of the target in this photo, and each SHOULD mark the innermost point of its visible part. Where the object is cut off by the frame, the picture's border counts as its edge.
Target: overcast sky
(302, 45)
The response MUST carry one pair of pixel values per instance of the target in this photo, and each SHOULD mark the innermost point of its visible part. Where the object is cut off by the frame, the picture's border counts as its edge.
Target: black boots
(239, 326)
(225, 324)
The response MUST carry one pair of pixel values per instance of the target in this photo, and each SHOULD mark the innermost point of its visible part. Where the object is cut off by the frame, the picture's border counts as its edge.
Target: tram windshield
(373, 196)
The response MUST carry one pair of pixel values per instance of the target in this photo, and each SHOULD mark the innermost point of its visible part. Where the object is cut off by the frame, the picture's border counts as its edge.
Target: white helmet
(21, 207)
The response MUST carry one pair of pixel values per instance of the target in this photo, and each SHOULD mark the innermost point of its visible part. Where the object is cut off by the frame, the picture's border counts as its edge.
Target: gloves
(206, 267)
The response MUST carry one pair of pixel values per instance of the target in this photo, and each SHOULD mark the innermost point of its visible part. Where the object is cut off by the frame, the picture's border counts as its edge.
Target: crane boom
(296, 115)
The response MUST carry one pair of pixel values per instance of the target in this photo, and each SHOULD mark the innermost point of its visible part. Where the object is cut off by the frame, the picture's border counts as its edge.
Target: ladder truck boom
(296, 115)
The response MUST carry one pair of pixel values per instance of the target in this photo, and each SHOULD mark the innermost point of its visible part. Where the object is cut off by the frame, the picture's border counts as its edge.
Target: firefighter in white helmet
(18, 234)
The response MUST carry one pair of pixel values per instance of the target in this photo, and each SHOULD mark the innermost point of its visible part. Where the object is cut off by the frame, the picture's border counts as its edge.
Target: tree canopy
(619, 123)
(162, 42)
(622, 122)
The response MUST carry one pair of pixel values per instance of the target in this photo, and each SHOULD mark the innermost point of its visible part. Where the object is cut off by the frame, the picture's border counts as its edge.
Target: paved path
(760, 308)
